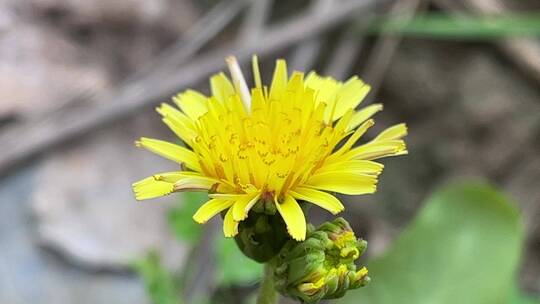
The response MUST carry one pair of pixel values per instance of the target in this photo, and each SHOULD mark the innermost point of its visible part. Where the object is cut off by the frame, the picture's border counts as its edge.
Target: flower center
(274, 147)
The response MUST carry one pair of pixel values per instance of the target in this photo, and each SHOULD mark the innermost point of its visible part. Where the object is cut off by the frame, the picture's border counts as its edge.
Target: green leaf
(436, 25)
(518, 297)
(463, 247)
(233, 267)
(180, 217)
(158, 281)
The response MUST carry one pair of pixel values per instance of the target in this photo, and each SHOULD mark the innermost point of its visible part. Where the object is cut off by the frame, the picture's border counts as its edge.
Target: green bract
(322, 266)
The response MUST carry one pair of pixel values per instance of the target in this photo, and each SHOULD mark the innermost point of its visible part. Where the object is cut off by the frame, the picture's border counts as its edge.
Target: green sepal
(261, 236)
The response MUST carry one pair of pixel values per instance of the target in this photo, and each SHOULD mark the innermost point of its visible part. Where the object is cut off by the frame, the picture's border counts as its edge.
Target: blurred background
(79, 80)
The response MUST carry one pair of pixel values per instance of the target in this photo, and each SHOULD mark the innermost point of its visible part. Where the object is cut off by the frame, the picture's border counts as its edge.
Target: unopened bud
(261, 236)
(322, 266)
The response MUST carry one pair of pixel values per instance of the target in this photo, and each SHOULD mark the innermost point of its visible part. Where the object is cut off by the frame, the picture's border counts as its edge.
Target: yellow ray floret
(294, 142)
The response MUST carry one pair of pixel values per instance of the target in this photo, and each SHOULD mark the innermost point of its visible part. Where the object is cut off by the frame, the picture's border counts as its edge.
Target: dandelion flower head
(271, 148)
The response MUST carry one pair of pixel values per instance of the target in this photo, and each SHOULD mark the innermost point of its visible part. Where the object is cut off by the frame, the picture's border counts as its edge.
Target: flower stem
(267, 292)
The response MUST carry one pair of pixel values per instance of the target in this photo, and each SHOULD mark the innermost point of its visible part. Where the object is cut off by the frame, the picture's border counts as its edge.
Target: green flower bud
(322, 266)
(261, 236)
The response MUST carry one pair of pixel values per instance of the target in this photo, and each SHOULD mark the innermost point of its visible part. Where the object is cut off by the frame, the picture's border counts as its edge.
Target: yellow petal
(326, 89)
(171, 177)
(312, 288)
(227, 196)
(355, 137)
(343, 182)
(279, 80)
(349, 95)
(239, 81)
(363, 115)
(293, 216)
(151, 188)
(362, 272)
(377, 149)
(256, 72)
(258, 102)
(195, 183)
(209, 209)
(221, 87)
(171, 151)
(392, 133)
(179, 123)
(193, 103)
(319, 198)
(243, 205)
(230, 226)
(353, 166)
(167, 182)
(340, 97)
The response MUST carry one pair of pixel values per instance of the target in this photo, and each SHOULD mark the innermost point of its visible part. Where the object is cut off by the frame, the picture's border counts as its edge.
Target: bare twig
(32, 138)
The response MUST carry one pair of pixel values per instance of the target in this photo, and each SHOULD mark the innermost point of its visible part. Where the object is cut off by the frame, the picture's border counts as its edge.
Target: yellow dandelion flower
(295, 141)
